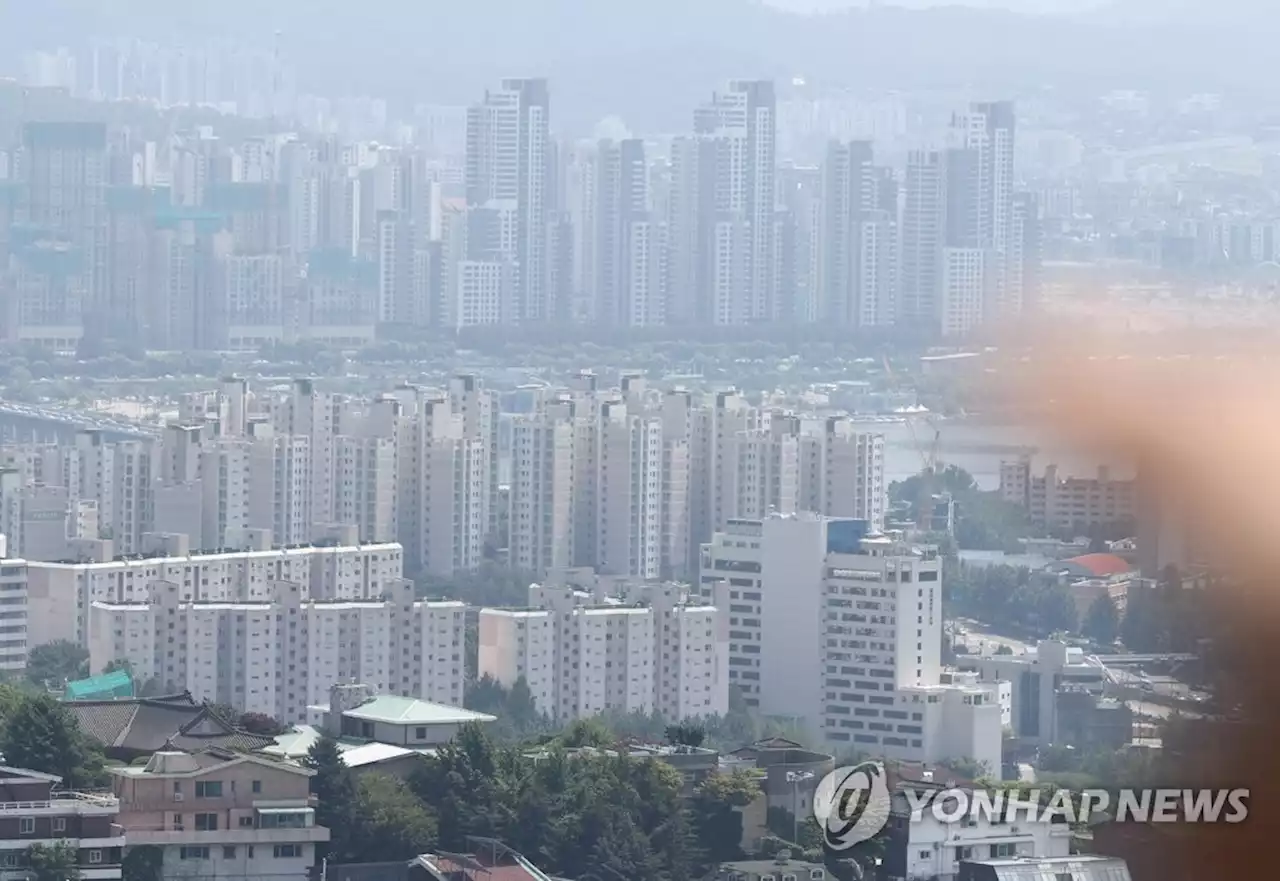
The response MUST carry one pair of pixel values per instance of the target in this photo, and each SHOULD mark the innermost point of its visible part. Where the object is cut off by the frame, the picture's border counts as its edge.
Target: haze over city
(580, 441)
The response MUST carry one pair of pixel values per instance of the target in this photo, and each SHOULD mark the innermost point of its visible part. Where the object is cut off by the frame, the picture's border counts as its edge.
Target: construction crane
(931, 466)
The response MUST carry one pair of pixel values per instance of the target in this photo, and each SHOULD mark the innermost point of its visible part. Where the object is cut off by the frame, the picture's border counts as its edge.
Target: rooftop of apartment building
(218, 554)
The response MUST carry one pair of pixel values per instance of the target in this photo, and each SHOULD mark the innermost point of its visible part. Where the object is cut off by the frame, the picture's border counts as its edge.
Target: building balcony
(219, 837)
(64, 803)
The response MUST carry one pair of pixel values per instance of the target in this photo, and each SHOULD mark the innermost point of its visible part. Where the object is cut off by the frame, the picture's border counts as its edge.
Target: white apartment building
(582, 653)
(542, 493)
(281, 655)
(1035, 678)
(365, 486)
(519, 644)
(587, 487)
(964, 282)
(842, 472)
(840, 630)
(442, 484)
(111, 480)
(930, 848)
(61, 593)
(13, 611)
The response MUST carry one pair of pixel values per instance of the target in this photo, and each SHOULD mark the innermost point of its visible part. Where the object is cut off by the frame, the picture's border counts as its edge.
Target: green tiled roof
(117, 684)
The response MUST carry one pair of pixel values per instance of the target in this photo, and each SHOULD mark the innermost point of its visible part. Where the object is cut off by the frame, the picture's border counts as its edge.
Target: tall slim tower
(847, 198)
(985, 134)
(64, 169)
(742, 120)
(923, 237)
(621, 210)
(507, 159)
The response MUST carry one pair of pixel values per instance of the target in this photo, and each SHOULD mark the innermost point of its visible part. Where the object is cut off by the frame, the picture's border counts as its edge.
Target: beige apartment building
(1059, 502)
(221, 815)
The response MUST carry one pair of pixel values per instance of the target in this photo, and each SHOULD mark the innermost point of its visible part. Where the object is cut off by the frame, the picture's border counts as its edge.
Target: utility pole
(795, 778)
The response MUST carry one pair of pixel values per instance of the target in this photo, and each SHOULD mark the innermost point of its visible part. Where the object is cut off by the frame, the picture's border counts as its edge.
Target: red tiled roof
(1102, 565)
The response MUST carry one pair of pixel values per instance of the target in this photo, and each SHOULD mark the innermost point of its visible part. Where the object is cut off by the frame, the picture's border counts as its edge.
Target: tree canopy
(54, 663)
(41, 734)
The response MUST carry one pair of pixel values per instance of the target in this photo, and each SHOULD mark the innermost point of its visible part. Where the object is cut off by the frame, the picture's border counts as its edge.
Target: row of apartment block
(632, 480)
(238, 470)
(628, 480)
(643, 647)
(60, 595)
(280, 656)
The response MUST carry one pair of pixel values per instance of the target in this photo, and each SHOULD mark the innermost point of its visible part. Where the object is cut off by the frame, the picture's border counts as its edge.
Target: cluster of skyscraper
(196, 241)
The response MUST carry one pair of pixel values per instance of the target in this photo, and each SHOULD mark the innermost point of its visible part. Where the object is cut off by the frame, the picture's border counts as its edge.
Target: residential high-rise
(847, 199)
(923, 238)
(621, 218)
(583, 652)
(65, 176)
(736, 183)
(507, 159)
(981, 190)
(281, 653)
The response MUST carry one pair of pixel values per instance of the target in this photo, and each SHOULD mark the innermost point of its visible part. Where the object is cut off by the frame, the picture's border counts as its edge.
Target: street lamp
(795, 778)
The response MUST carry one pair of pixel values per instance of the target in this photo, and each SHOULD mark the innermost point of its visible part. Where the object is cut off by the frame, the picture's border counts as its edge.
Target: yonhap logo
(852, 804)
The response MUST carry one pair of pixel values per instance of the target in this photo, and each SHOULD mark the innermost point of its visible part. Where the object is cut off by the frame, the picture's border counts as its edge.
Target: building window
(27, 826)
(246, 822)
(288, 850)
(257, 786)
(999, 851)
(9, 858)
(193, 853)
(95, 856)
(964, 853)
(815, 875)
(208, 789)
(59, 824)
(926, 854)
(420, 733)
(228, 853)
(206, 822)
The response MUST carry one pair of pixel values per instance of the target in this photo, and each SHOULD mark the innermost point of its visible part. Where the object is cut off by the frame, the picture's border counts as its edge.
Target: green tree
(260, 723)
(119, 664)
(587, 732)
(59, 861)
(390, 823)
(686, 734)
(335, 792)
(51, 665)
(717, 813)
(142, 862)
(1056, 610)
(42, 735)
(1101, 620)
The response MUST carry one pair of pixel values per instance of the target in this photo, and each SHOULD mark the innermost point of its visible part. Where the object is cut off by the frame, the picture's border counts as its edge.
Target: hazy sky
(1029, 6)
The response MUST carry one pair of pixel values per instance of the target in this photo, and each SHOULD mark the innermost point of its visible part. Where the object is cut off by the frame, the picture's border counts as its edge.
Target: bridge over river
(26, 423)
